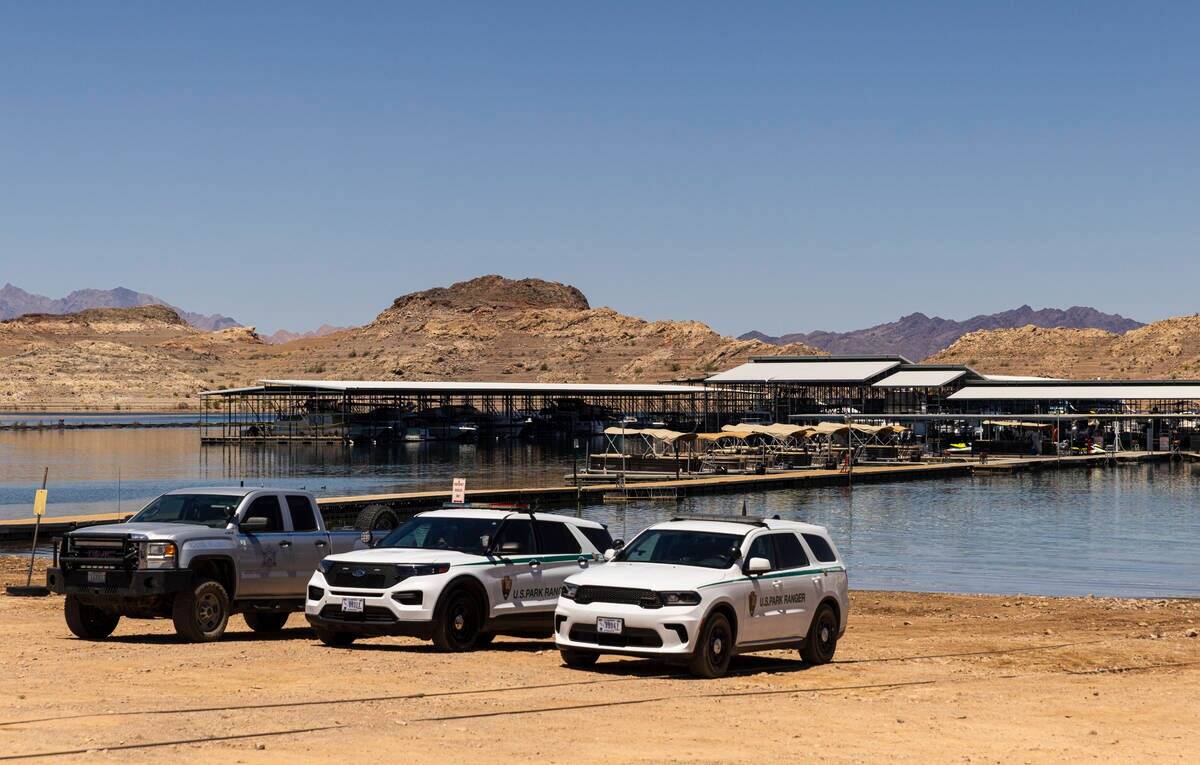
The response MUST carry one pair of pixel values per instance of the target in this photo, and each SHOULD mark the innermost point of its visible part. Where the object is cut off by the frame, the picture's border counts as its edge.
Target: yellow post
(39, 509)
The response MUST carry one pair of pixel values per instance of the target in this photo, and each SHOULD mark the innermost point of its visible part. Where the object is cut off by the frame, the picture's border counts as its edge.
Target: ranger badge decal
(506, 586)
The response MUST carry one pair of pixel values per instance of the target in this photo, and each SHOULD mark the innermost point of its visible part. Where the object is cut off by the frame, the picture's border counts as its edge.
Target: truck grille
(627, 595)
(99, 553)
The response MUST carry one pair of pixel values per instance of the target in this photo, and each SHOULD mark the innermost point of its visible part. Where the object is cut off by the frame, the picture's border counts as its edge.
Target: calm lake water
(1132, 530)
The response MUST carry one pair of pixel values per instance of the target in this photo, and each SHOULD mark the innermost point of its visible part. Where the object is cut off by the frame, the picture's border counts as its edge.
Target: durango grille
(99, 553)
(627, 595)
(632, 637)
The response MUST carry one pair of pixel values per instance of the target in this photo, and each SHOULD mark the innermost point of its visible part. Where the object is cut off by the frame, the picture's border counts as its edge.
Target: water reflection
(1130, 530)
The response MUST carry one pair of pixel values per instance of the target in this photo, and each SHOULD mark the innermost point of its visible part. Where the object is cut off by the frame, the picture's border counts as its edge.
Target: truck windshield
(682, 548)
(212, 510)
(469, 535)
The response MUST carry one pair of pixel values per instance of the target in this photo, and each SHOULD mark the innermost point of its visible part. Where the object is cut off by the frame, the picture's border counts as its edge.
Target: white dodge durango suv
(699, 590)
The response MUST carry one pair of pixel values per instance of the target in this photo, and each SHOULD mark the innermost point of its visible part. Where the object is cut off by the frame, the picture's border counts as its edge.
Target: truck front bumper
(105, 585)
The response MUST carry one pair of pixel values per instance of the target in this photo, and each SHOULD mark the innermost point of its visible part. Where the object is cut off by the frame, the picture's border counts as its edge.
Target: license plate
(609, 626)
(352, 605)
(97, 577)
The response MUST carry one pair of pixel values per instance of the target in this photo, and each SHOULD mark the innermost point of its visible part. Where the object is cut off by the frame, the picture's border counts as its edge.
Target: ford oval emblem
(358, 572)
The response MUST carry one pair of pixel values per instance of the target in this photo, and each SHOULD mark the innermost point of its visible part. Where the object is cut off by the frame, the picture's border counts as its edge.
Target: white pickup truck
(457, 577)
(197, 556)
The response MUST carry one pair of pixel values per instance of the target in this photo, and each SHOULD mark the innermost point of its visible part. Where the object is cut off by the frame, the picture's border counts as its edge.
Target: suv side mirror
(618, 544)
(758, 566)
(609, 554)
(253, 524)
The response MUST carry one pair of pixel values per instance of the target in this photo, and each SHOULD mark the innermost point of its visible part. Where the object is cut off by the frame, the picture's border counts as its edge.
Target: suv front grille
(365, 576)
(369, 615)
(627, 595)
(632, 637)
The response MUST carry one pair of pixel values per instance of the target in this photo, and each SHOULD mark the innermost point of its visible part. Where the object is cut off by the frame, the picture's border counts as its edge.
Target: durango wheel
(459, 625)
(578, 659)
(821, 641)
(266, 622)
(336, 639)
(88, 622)
(714, 650)
(200, 614)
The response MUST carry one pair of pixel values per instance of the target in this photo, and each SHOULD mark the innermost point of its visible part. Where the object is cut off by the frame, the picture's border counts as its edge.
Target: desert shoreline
(918, 677)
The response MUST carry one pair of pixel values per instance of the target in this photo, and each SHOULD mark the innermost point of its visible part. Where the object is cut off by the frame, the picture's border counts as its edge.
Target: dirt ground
(918, 678)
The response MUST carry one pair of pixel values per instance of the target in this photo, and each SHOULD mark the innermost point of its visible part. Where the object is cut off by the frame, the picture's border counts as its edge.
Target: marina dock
(341, 510)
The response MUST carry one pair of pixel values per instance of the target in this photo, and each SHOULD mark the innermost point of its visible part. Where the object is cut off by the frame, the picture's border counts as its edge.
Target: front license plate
(609, 626)
(352, 605)
(97, 577)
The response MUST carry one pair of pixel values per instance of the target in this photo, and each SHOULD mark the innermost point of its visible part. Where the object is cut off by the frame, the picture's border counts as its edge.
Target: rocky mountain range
(917, 336)
(489, 328)
(15, 302)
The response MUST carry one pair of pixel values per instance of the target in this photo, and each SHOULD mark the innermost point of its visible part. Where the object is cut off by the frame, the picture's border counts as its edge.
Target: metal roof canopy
(1164, 390)
(415, 386)
(920, 378)
(810, 369)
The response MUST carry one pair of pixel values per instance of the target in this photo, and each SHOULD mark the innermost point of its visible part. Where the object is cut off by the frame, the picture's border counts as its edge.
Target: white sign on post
(458, 491)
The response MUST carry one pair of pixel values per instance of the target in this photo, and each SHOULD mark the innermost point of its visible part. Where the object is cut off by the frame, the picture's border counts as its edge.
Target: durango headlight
(681, 598)
(569, 591)
(160, 555)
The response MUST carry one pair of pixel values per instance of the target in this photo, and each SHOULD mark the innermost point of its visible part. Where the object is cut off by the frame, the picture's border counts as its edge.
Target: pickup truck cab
(196, 556)
(700, 590)
(457, 577)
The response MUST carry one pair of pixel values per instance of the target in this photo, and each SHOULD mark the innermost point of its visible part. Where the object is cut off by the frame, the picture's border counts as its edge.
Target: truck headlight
(683, 598)
(161, 555)
(569, 591)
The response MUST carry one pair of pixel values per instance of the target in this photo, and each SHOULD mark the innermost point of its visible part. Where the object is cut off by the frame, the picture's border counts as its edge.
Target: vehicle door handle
(285, 543)
(320, 543)
(535, 564)
(583, 561)
(777, 583)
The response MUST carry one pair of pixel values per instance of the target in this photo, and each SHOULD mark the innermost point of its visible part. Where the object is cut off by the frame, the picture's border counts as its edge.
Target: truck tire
(714, 648)
(336, 639)
(201, 613)
(821, 642)
(266, 621)
(458, 622)
(578, 659)
(377, 518)
(88, 622)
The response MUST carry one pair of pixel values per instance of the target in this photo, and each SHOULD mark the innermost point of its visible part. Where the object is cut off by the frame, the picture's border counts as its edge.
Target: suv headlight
(569, 591)
(681, 598)
(429, 569)
(161, 555)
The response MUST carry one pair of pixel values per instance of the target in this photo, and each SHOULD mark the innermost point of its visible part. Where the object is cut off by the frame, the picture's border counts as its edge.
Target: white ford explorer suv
(458, 577)
(699, 590)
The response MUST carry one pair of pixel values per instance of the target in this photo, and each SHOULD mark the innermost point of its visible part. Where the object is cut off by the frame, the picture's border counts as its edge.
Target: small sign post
(458, 491)
(39, 509)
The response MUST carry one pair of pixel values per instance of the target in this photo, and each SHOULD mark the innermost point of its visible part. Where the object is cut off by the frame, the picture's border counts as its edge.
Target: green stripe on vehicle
(779, 575)
(525, 559)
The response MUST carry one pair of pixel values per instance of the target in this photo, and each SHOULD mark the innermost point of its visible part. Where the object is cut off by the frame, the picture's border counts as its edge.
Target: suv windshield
(212, 510)
(469, 535)
(683, 548)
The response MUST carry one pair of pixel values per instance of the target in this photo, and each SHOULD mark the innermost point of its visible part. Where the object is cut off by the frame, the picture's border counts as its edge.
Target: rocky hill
(287, 336)
(1168, 349)
(490, 328)
(15, 301)
(917, 335)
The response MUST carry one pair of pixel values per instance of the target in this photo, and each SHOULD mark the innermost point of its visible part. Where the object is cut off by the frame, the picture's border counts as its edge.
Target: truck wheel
(200, 614)
(88, 622)
(336, 639)
(821, 642)
(714, 649)
(266, 621)
(458, 626)
(377, 518)
(578, 659)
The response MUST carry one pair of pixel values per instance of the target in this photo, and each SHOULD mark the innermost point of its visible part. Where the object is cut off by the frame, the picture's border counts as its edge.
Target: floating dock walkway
(341, 510)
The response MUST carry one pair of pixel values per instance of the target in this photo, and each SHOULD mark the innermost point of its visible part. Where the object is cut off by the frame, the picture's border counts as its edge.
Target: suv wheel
(578, 659)
(821, 642)
(336, 639)
(266, 621)
(88, 622)
(714, 650)
(200, 614)
(460, 623)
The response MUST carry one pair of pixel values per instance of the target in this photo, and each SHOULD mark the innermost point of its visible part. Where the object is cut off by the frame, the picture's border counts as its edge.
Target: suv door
(514, 580)
(309, 546)
(801, 589)
(264, 557)
(560, 552)
(765, 595)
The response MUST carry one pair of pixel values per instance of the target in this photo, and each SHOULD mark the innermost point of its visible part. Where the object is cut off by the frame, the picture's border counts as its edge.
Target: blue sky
(785, 167)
